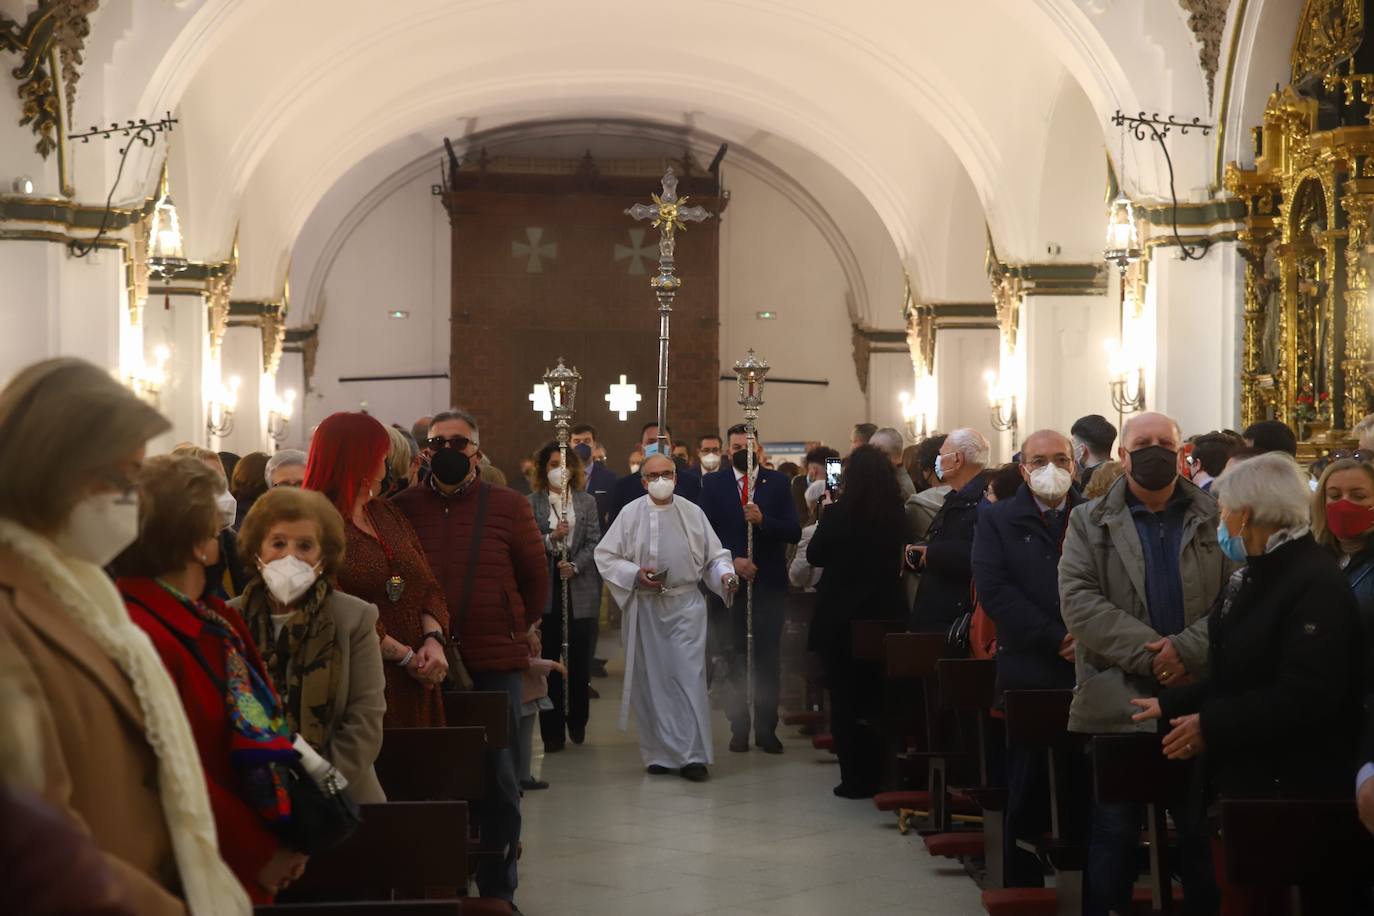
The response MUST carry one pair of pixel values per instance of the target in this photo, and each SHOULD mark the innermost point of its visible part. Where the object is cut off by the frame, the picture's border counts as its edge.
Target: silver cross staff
(750, 373)
(562, 384)
(668, 214)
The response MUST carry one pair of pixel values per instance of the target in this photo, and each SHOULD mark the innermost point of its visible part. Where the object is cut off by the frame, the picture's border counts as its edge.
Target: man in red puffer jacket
(491, 607)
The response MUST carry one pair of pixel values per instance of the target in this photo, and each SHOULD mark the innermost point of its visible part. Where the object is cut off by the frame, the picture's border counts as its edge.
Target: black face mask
(584, 451)
(1154, 467)
(740, 460)
(450, 467)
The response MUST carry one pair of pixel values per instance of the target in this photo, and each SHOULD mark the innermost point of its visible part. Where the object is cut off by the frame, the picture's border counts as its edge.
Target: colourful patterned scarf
(260, 745)
(302, 660)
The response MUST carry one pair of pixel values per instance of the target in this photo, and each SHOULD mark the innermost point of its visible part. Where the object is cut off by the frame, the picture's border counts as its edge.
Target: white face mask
(939, 467)
(634, 467)
(710, 461)
(100, 527)
(288, 577)
(662, 488)
(558, 477)
(1050, 483)
(228, 509)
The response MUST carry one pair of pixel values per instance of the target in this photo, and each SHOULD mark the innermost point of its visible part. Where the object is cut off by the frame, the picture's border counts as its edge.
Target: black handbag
(322, 817)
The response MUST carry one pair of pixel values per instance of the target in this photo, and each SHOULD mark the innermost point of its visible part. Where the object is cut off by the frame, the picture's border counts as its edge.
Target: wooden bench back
(400, 847)
(967, 683)
(1284, 841)
(912, 655)
(1128, 768)
(485, 708)
(433, 764)
(866, 638)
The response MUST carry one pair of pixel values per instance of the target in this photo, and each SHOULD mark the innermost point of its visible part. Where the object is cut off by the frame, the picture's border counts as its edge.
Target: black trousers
(1027, 815)
(769, 606)
(553, 727)
(855, 692)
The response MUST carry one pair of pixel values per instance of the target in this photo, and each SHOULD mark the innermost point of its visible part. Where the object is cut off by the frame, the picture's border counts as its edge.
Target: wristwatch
(437, 636)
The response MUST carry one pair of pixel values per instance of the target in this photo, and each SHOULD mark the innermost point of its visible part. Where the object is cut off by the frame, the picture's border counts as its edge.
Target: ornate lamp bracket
(1155, 128)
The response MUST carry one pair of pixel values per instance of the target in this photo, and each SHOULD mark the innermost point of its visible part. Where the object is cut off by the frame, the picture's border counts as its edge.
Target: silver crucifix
(668, 214)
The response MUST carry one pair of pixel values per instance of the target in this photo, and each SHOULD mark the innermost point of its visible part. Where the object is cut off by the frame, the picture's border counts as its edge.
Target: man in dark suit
(731, 502)
(600, 482)
(631, 486)
(943, 560)
(1016, 570)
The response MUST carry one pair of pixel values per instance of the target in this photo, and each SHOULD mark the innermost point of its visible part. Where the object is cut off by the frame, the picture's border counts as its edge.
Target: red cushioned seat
(892, 801)
(960, 845)
(823, 742)
(813, 717)
(1021, 901)
(959, 803)
(486, 906)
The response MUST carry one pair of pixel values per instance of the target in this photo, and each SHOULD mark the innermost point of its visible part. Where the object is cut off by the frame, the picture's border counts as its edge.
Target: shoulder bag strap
(470, 578)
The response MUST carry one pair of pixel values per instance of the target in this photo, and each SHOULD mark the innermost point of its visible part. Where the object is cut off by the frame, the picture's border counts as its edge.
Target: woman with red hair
(384, 564)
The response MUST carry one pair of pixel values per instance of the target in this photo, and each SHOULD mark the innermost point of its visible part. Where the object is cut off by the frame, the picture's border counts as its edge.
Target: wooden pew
(364, 908)
(1284, 842)
(1130, 769)
(1038, 720)
(970, 685)
(400, 849)
(484, 708)
(911, 716)
(433, 764)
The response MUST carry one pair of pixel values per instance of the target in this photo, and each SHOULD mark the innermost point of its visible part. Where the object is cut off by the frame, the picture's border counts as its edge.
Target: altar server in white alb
(652, 558)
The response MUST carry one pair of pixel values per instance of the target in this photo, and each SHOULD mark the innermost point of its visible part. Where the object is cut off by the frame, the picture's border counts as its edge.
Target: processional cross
(668, 214)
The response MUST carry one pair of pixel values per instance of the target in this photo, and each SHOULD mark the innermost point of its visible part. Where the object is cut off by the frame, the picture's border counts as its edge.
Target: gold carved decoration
(1329, 32)
(1307, 354)
(50, 44)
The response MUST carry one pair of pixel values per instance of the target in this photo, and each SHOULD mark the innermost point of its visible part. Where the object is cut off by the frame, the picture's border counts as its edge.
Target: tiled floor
(764, 836)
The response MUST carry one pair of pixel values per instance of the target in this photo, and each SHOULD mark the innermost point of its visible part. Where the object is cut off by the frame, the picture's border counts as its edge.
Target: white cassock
(665, 632)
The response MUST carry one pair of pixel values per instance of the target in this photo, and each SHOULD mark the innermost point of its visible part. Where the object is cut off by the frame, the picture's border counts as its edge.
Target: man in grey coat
(1141, 570)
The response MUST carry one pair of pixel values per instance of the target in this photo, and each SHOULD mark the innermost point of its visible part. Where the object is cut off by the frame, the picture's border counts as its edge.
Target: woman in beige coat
(117, 755)
(320, 646)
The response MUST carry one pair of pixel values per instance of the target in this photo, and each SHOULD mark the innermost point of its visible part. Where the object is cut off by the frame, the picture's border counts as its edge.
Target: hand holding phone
(833, 469)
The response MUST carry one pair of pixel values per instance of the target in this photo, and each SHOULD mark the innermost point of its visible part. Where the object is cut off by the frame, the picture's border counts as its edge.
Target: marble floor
(763, 836)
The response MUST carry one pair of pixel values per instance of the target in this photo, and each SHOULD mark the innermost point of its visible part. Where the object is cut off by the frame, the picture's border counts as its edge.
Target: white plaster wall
(183, 328)
(961, 358)
(396, 258)
(1062, 339)
(1193, 312)
(55, 305)
(774, 259)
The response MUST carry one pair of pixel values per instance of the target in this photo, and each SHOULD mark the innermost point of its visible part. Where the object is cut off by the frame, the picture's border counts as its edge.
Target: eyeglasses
(288, 483)
(660, 475)
(436, 443)
(1059, 461)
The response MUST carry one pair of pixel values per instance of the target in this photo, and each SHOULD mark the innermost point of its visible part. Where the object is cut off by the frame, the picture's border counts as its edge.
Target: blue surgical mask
(1231, 544)
(939, 467)
(650, 449)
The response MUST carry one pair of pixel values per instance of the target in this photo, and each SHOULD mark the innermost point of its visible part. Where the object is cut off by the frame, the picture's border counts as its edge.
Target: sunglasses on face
(439, 442)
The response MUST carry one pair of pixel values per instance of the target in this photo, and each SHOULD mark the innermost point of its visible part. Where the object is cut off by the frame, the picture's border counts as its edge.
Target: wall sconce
(279, 415)
(146, 380)
(1126, 378)
(219, 410)
(1001, 403)
(623, 398)
(918, 410)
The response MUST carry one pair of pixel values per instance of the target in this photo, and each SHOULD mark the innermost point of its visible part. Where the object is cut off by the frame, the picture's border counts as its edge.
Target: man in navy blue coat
(766, 503)
(1016, 553)
(600, 482)
(631, 487)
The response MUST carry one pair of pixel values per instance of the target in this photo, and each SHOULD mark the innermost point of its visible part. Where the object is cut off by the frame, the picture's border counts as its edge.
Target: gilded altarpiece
(1308, 200)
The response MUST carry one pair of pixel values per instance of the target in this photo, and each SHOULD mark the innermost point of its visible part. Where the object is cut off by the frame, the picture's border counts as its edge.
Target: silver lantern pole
(562, 385)
(750, 373)
(668, 214)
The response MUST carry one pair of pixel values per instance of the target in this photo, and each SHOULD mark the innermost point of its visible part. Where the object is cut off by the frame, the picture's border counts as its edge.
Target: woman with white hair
(286, 468)
(1277, 714)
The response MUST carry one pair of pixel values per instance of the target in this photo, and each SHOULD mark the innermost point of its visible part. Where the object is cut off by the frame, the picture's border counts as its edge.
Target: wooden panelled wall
(549, 265)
